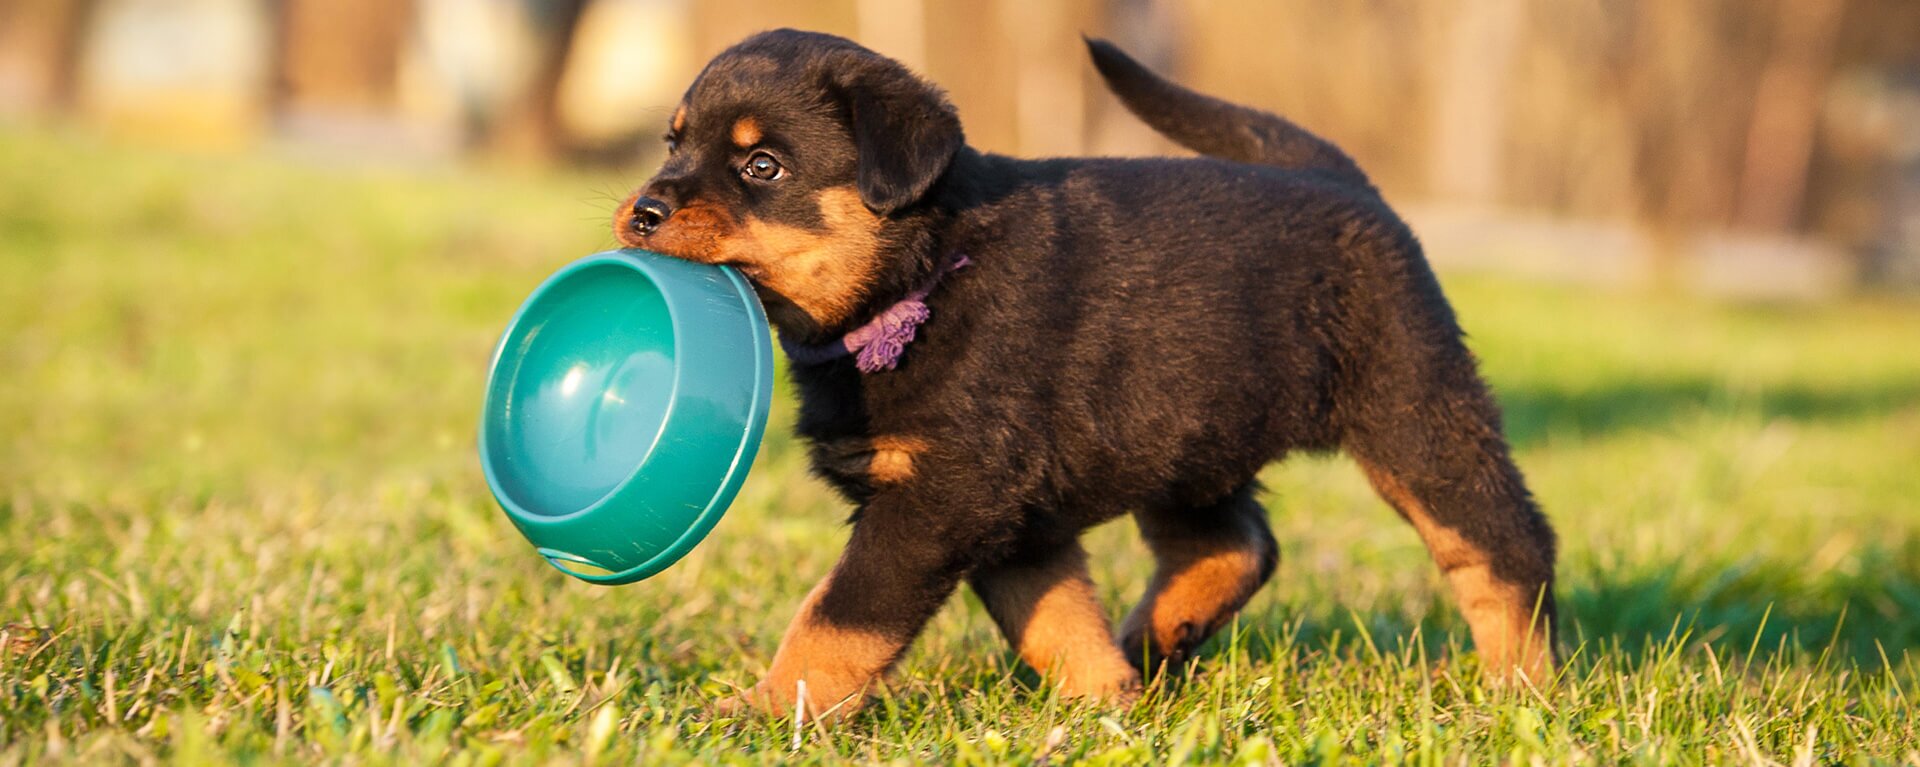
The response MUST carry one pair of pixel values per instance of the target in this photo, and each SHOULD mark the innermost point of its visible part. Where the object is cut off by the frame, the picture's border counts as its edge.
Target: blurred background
(1764, 148)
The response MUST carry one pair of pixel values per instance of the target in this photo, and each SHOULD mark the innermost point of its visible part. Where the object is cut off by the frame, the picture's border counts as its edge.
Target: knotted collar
(877, 345)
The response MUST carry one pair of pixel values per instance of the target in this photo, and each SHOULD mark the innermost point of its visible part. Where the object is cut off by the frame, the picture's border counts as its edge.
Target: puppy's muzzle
(648, 214)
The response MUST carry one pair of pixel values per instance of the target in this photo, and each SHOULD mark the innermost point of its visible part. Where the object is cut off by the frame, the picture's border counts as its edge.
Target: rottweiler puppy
(994, 354)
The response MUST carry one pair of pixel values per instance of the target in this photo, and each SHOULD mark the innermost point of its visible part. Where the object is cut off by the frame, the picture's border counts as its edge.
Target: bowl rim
(643, 263)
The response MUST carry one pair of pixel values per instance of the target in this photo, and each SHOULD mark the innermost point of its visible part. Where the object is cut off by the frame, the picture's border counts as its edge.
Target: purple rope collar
(877, 345)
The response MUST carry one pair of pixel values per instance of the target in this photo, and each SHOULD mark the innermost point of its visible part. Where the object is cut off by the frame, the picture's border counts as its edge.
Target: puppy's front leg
(900, 564)
(1045, 604)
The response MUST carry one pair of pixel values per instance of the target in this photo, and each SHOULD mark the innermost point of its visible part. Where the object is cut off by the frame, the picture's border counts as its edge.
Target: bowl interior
(586, 380)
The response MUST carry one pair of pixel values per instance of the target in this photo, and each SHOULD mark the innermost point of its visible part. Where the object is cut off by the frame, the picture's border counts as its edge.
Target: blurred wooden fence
(1767, 117)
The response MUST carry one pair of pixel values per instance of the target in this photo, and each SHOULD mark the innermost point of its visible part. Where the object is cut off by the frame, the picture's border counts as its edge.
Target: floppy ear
(904, 130)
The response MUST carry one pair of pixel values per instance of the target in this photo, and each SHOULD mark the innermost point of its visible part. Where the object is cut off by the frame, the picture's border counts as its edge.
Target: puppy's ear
(904, 130)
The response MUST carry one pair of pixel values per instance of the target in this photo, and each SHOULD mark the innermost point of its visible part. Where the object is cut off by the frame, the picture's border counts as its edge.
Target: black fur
(906, 134)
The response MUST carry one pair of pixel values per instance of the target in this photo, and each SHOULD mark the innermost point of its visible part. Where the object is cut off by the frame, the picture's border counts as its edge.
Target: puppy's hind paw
(1172, 649)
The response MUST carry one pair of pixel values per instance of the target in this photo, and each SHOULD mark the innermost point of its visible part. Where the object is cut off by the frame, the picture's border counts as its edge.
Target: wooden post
(339, 54)
(1464, 161)
(531, 126)
(1786, 108)
(42, 45)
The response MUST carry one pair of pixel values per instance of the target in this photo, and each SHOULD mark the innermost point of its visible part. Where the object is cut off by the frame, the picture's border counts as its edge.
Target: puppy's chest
(859, 465)
(857, 450)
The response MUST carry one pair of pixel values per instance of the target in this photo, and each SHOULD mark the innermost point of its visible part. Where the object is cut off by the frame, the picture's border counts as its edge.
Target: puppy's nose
(648, 214)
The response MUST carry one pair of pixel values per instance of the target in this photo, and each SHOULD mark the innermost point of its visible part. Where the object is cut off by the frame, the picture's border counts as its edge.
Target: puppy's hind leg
(1209, 562)
(1442, 464)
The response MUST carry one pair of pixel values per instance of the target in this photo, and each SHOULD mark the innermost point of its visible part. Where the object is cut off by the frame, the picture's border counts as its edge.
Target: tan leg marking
(746, 132)
(838, 664)
(1051, 616)
(1500, 614)
(1197, 587)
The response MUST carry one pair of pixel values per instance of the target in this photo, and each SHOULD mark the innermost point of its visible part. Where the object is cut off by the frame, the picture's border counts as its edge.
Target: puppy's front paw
(1116, 694)
(753, 701)
(767, 699)
(1104, 678)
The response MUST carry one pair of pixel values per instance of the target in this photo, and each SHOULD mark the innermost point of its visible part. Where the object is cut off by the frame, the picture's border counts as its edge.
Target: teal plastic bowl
(624, 406)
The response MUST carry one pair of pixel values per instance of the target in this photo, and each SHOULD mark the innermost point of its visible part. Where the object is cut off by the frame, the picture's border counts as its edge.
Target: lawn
(241, 520)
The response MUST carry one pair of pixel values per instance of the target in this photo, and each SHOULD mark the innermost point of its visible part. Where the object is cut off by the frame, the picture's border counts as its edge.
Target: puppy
(995, 354)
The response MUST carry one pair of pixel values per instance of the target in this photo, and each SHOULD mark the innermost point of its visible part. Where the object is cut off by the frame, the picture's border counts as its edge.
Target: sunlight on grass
(243, 520)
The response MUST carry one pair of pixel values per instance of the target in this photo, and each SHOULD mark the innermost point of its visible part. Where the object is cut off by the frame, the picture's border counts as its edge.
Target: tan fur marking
(1499, 614)
(1052, 617)
(893, 458)
(838, 664)
(1197, 586)
(884, 459)
(693, 232)
(1449, 550)
(823, 273)
(680, 118)
(746, 132)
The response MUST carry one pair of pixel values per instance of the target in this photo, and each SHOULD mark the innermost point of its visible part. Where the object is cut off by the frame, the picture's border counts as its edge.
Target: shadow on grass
(1764, 608)
(1534, 414)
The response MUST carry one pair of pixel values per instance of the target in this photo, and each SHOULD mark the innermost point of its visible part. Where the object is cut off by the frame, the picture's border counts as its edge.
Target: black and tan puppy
(1127, 336)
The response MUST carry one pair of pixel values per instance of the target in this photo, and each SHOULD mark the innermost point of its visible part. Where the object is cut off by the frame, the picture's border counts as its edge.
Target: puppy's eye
(762, 167)
(673, 141)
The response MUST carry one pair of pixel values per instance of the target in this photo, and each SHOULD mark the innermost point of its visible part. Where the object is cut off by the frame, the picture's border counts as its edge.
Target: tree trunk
(531, 127)
(339, 55)
(1786, 109)
(43, 46)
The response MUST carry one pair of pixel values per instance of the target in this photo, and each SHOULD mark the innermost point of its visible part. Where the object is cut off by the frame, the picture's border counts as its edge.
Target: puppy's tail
(1214, 127)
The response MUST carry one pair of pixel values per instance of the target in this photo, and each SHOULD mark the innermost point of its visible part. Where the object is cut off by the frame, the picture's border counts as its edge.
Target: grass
(241, 521)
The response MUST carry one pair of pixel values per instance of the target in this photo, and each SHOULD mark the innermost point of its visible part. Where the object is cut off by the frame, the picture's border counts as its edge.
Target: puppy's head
(802, 159)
